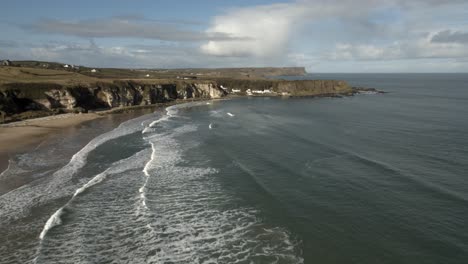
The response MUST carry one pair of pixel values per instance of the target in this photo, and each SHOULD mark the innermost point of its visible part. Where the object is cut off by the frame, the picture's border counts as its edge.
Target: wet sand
(20, 136)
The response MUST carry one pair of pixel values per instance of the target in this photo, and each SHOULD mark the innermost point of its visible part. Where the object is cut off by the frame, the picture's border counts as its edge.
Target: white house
(236, 90)
(257, 91)
(66, 66)
(267, 91)
(93, 70)
(249, 92)
(147, 75)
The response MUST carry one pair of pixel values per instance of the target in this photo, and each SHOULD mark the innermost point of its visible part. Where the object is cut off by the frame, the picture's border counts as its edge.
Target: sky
(321, 35)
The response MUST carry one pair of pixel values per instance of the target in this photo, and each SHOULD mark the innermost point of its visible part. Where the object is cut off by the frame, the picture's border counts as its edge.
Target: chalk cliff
(26, 100)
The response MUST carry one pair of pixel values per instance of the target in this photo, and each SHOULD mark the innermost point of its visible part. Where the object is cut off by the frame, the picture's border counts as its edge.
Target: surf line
(55, 219)
(170, 112)
(229, 114)
(146, 169)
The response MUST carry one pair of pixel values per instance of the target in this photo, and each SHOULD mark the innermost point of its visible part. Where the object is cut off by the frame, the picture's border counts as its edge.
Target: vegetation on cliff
(36, 91)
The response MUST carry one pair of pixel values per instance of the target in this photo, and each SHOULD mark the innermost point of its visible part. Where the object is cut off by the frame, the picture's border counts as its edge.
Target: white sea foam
(190, 224)
(184, 215)
(130, 163)
(6, 170)
(216, 113)
(146, 169)
(53, 221)
(210, 126)
(148, 164)
(229, 114)
(18, 202)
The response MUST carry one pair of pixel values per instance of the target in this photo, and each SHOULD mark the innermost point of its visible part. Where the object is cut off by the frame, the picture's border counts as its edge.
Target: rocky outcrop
(313, 87)
(292, 88)
(21, 97)
(56, 98)
(16, 98)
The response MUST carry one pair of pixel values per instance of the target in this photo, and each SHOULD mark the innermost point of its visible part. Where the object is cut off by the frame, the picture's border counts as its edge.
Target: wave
(142, 189)
(192, 221)
(184, 215)
(343, 153)
(120, 166)
(229, 114)
(19, 202)
(53, 221)
(7, 169)
(407, 176)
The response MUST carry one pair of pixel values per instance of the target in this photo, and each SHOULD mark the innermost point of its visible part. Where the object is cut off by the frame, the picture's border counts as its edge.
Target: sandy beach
(18, 136)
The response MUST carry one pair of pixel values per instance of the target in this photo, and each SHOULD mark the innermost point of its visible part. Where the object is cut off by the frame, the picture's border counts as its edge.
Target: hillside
(199, 73)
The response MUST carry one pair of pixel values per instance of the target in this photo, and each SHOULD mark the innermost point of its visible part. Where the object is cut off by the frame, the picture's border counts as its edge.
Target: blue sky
(323, 36)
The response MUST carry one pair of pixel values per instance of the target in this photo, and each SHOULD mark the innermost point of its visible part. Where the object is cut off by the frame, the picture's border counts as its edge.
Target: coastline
(21, 136)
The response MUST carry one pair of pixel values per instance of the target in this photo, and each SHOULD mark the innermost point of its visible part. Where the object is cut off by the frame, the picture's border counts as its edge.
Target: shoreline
(18, 137)
(21, 136)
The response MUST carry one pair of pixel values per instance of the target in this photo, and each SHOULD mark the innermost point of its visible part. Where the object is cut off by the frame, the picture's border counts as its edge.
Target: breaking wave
(133, 162)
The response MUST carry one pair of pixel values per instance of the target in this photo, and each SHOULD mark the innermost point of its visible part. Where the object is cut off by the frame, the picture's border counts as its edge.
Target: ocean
(372, 178)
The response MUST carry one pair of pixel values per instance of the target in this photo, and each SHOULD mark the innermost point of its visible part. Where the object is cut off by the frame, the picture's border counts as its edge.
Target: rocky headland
(28, 92)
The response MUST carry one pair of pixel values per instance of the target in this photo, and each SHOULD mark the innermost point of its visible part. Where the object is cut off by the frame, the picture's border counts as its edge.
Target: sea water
(373, 178)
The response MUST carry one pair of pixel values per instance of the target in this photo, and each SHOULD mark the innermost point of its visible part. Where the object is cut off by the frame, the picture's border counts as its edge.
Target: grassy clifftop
(31, 91)
(199, 73)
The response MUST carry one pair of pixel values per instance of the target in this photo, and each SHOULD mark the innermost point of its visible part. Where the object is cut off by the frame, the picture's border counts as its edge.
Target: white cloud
(268, 29)
(265, 30)
(310, 33)
(124, 27)
(422, 48)
(449, 36)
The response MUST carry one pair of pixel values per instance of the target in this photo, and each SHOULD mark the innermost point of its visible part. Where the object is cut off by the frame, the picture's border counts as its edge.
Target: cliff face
(293, 88)
(48, 98)
(17, 98)
(313, 87)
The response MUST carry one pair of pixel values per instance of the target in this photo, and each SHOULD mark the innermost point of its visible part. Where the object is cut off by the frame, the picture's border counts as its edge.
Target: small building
(257, 91)
(147, 75)
(66, 66)
(6, 63)
(249, 92)
(236, 90)
(93, 70)
(224, 88)
(267, 91)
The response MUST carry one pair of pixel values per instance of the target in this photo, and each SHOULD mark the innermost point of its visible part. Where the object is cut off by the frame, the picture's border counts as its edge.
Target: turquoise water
(363, 179)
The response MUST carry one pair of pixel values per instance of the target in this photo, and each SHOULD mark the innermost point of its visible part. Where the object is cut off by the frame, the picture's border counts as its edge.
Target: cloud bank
(126, 27)
(265, 30)
(320, 35)
(449, 36)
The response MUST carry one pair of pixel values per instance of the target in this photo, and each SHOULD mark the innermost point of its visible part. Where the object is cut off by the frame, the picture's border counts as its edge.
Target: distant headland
(30, 89)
